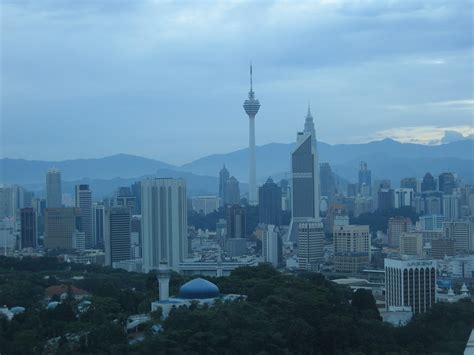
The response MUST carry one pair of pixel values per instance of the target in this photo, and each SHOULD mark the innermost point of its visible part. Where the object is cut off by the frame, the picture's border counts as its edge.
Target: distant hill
(387, 159)
(22, 171)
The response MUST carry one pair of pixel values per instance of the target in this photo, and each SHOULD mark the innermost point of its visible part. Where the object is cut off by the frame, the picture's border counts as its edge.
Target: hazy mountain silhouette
(387, 159)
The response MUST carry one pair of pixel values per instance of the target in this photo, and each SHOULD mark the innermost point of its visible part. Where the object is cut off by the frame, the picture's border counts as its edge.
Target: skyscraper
(84, 202)
(53, 189)
(451, 207)
(404, 197)
(305, 174)
(428, 183)
(59, 226)
(236, 223)
(328, 182)
(272, 246)
(223, 178)
(137, 192)
(410, 283)
(446, 183)
(269, 203)
(98, 218)
(28, 227)
(310, 245)
(251, 106)
(232, 191)
(365, 177)
(164, 222)
(409, 183)
(351, 247)
(117, 234)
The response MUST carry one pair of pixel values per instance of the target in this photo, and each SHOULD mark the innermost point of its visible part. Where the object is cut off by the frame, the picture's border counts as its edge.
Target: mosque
(198, 291)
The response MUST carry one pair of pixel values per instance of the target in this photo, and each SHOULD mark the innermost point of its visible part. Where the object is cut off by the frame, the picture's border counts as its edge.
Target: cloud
(425, 134)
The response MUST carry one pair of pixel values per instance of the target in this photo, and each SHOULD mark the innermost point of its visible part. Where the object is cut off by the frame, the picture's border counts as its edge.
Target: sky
(167, 79)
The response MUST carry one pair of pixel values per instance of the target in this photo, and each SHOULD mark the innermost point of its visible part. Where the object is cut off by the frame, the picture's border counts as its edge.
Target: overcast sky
(167, 79)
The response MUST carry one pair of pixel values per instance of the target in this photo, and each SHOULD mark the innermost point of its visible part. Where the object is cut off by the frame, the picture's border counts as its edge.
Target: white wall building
(164, 222)
(205, 204)
(271, 245)
(310, 245)
(404, 197)
(410, 283)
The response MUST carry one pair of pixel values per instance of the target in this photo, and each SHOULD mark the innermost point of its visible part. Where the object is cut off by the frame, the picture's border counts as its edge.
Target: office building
(441, 247)
(232, 191)
(205, 204)
(79, 241)
(164, 222)
(409, 183)
(11, 200)
(117, 236)
(59, 226)
(386, 199)
(137, 192)
(251, 107)
(305, 176)
(28, 237)
(224, 176)
(431, 222)
(286, 195)
(403, 197)
(397, 226)
(365, 177)
(310, 245)
(125, 198)
(428, 183)
(236, 222)
(272, 248)
(328, 182)
(411, 244)
(269, 203)
(410, 283)
(53, 189)
(451, 207)
(352, 245)
(446, 183)
(462, 234)
(84, 202)
(98, 218)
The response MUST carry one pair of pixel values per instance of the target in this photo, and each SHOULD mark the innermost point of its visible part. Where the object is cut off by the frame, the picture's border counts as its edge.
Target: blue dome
(198, 288)
(17, 310)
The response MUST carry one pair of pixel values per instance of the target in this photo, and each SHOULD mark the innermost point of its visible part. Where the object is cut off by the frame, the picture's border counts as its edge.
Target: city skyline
(126, 84)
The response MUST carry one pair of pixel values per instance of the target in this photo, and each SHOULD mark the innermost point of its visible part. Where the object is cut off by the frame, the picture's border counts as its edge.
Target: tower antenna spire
(251, 81)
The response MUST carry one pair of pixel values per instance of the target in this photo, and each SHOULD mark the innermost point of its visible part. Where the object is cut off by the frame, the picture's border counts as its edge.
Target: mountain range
(388, 159)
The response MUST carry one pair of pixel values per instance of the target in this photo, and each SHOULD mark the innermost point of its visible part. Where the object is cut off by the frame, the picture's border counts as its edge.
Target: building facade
(352, 246)
(29, 236)
(53, 189)
(269, 203)
(84, 203)
(410, 283)
(59, 226)
(310, 245)
(117, 235)
(164, 222)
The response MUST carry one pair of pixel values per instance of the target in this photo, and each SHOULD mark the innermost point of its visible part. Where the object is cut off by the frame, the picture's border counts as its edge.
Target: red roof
(60, 289)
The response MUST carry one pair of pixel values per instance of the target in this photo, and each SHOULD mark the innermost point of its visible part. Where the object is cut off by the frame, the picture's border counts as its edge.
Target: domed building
(199, 291)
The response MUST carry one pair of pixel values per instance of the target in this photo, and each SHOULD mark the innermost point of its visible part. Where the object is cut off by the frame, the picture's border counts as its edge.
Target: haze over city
(134, 76)
(236, 177)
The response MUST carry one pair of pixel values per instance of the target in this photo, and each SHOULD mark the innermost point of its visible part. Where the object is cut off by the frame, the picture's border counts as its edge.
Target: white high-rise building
(404, 197)
(451, 207)
(53, 189)
(83, 201)
(271, 245)
(164, 222)
(462, 233)
(251, 107)
(410, 283)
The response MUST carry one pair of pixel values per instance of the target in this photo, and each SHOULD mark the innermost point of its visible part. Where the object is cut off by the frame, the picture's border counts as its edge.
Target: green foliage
(283, 314)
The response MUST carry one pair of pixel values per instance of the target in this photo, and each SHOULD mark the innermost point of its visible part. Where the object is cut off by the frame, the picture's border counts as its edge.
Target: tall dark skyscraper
(137, 192)
(328, 182)
(53, 189)
(386, 199)
(232, 191)
(269, 203)
(224, 176)
(28, 227)
(428, 183)
(236, 221)
(98, 219)
(446, 183)
(84, 202)
(118, 234)
(409, 183)
(365, 176)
